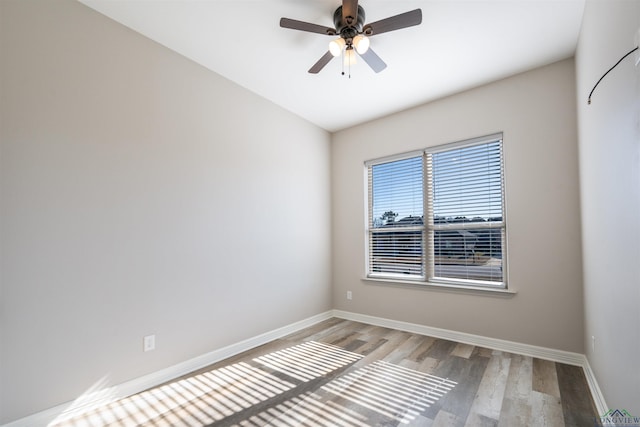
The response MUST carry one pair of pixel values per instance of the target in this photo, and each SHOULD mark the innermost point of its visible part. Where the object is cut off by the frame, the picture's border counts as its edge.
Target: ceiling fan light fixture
(336, 46)
(361, 43)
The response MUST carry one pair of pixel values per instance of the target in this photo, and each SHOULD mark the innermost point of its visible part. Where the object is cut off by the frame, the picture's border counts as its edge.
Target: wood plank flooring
(348, 374)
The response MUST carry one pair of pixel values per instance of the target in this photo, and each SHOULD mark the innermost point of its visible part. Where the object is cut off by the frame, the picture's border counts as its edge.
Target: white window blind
(439, 216)
(466, 224)
(396, 218)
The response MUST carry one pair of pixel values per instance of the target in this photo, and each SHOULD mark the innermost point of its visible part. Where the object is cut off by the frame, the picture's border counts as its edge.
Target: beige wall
(536, 112)
(142, 193)
(609, 132)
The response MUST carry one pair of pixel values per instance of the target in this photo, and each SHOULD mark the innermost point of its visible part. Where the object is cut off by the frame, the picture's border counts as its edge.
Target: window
(438, 215)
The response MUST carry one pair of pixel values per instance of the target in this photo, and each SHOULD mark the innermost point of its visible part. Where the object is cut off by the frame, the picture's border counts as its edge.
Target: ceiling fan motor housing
(351, 26)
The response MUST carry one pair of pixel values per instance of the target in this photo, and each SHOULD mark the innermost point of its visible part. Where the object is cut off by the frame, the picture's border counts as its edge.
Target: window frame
(428, 227)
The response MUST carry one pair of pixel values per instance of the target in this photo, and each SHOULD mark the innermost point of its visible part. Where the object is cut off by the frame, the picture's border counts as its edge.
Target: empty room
(323, 213)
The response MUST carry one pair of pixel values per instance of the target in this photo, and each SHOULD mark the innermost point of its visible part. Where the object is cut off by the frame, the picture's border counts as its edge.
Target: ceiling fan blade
(403, 20)
(373, 60)
(321, 63)
(306, 26)
(350, 8)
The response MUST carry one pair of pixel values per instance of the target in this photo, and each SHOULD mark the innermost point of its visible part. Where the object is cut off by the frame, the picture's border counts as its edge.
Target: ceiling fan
(353, 33)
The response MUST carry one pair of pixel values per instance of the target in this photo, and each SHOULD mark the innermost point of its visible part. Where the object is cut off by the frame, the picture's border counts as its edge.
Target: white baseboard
(561, 356)
(554, 355)
(143, 383)
(68, 409)
(596, 393)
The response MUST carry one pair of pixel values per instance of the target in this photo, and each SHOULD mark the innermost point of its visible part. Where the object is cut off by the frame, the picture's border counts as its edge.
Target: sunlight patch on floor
(307, 410)
(195, 401)
(308, 360)
(212, 396)
(391, 390)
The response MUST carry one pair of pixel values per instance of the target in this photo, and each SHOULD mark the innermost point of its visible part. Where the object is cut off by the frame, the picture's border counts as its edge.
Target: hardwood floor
(348, 374)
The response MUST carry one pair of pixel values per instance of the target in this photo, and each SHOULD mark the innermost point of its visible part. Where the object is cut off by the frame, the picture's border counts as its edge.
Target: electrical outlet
(149, 343)
(349, 295)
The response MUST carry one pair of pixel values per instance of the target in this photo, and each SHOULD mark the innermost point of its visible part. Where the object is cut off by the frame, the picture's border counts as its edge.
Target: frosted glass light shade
(336, 46)
(349, 57)
(361, 43)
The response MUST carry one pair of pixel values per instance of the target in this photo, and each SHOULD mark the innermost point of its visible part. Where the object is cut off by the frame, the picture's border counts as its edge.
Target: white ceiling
(459, 45)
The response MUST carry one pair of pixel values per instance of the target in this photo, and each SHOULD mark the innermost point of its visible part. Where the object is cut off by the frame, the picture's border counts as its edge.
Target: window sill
(447, 287)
